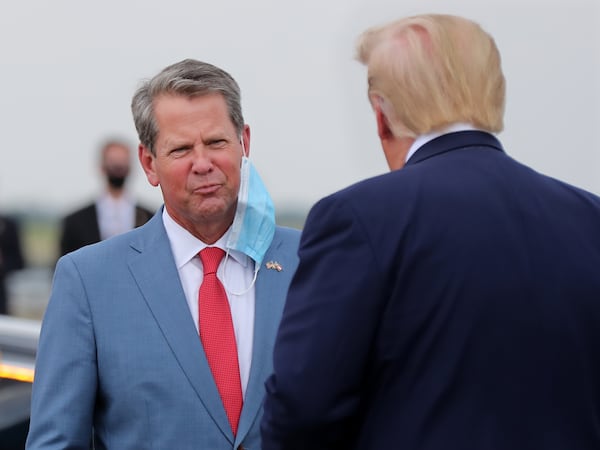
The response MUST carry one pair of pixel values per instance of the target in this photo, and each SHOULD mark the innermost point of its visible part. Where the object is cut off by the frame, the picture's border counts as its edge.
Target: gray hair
(190, 78)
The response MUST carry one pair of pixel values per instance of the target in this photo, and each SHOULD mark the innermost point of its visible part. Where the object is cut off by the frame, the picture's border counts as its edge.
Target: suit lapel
(154, 269)
(270, 294)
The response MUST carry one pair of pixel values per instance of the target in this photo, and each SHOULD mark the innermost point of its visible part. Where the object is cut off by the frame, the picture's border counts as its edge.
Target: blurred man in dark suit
(453, 303)
(11, 256)
(114, 212)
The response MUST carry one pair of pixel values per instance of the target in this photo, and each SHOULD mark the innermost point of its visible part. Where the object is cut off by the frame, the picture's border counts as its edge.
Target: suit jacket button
(241, 447)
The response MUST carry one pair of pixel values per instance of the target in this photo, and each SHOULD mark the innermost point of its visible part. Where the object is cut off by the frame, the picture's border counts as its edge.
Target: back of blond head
(429, 71)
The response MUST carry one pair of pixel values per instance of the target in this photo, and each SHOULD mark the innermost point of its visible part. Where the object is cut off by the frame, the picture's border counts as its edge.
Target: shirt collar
(106, 199)
(186, 246)
(423, 139)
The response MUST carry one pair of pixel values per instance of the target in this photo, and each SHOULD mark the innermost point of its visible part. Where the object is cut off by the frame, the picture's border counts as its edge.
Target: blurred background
(69, 69)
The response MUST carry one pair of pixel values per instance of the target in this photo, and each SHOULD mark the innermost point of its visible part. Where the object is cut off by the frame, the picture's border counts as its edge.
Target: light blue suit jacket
(119, 351)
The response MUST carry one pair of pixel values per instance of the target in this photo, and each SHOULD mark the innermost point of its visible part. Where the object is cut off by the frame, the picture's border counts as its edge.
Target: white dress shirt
(115, 215)
(420, 141)
(236, 272)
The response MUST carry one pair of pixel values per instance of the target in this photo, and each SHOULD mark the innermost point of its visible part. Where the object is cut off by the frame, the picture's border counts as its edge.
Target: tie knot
(211, 257)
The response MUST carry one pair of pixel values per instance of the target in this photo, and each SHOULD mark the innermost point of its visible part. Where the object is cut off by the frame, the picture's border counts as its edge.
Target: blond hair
(429, 71)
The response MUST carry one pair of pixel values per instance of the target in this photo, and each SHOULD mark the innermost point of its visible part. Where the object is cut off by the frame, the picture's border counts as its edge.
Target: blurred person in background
(162, 337)
(453, 303)
(11, 256)
(114, 211)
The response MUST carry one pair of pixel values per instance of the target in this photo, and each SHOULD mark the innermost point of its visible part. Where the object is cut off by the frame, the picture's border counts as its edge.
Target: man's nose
(202, 161)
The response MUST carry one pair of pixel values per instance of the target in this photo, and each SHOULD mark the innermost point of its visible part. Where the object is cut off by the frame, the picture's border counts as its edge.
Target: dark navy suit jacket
(452, 304)
(11, 256)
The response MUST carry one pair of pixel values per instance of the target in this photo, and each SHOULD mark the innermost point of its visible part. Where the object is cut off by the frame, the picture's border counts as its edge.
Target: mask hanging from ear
(253, 226)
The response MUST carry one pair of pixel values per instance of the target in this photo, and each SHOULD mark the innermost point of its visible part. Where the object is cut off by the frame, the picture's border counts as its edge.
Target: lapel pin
(274, 265)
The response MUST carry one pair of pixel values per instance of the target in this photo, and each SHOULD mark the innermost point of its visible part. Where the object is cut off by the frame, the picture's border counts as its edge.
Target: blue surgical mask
(253, 226)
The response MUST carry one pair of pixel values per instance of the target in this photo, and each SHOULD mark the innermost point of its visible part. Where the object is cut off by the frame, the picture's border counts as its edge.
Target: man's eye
(179, 150)
(217, 143)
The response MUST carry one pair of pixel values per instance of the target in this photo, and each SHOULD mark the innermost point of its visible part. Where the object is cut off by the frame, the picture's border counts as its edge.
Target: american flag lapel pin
(274, 265)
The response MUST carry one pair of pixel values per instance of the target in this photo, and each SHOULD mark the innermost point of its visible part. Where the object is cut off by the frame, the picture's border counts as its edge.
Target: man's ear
(246, 140)
(383, 128)
(383, 125)
(395, 148)
(147, 161)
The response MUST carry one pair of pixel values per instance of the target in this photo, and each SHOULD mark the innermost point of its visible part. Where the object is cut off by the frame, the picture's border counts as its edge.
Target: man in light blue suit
(120, 357)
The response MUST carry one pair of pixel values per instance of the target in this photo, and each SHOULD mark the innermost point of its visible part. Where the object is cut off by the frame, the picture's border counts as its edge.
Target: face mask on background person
(116, 176)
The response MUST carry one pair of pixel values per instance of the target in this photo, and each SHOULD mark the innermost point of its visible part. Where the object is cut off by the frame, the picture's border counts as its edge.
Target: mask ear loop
(243, 146)
(256, 269)
(256, 266)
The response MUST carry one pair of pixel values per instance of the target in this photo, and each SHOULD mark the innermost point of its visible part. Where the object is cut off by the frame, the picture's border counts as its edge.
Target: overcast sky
(69, 69)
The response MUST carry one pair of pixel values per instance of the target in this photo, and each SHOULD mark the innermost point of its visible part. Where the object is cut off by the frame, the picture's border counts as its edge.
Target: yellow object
(16, 373)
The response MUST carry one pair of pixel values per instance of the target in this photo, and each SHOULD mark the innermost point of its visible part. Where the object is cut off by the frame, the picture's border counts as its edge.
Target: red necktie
(218, 337)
